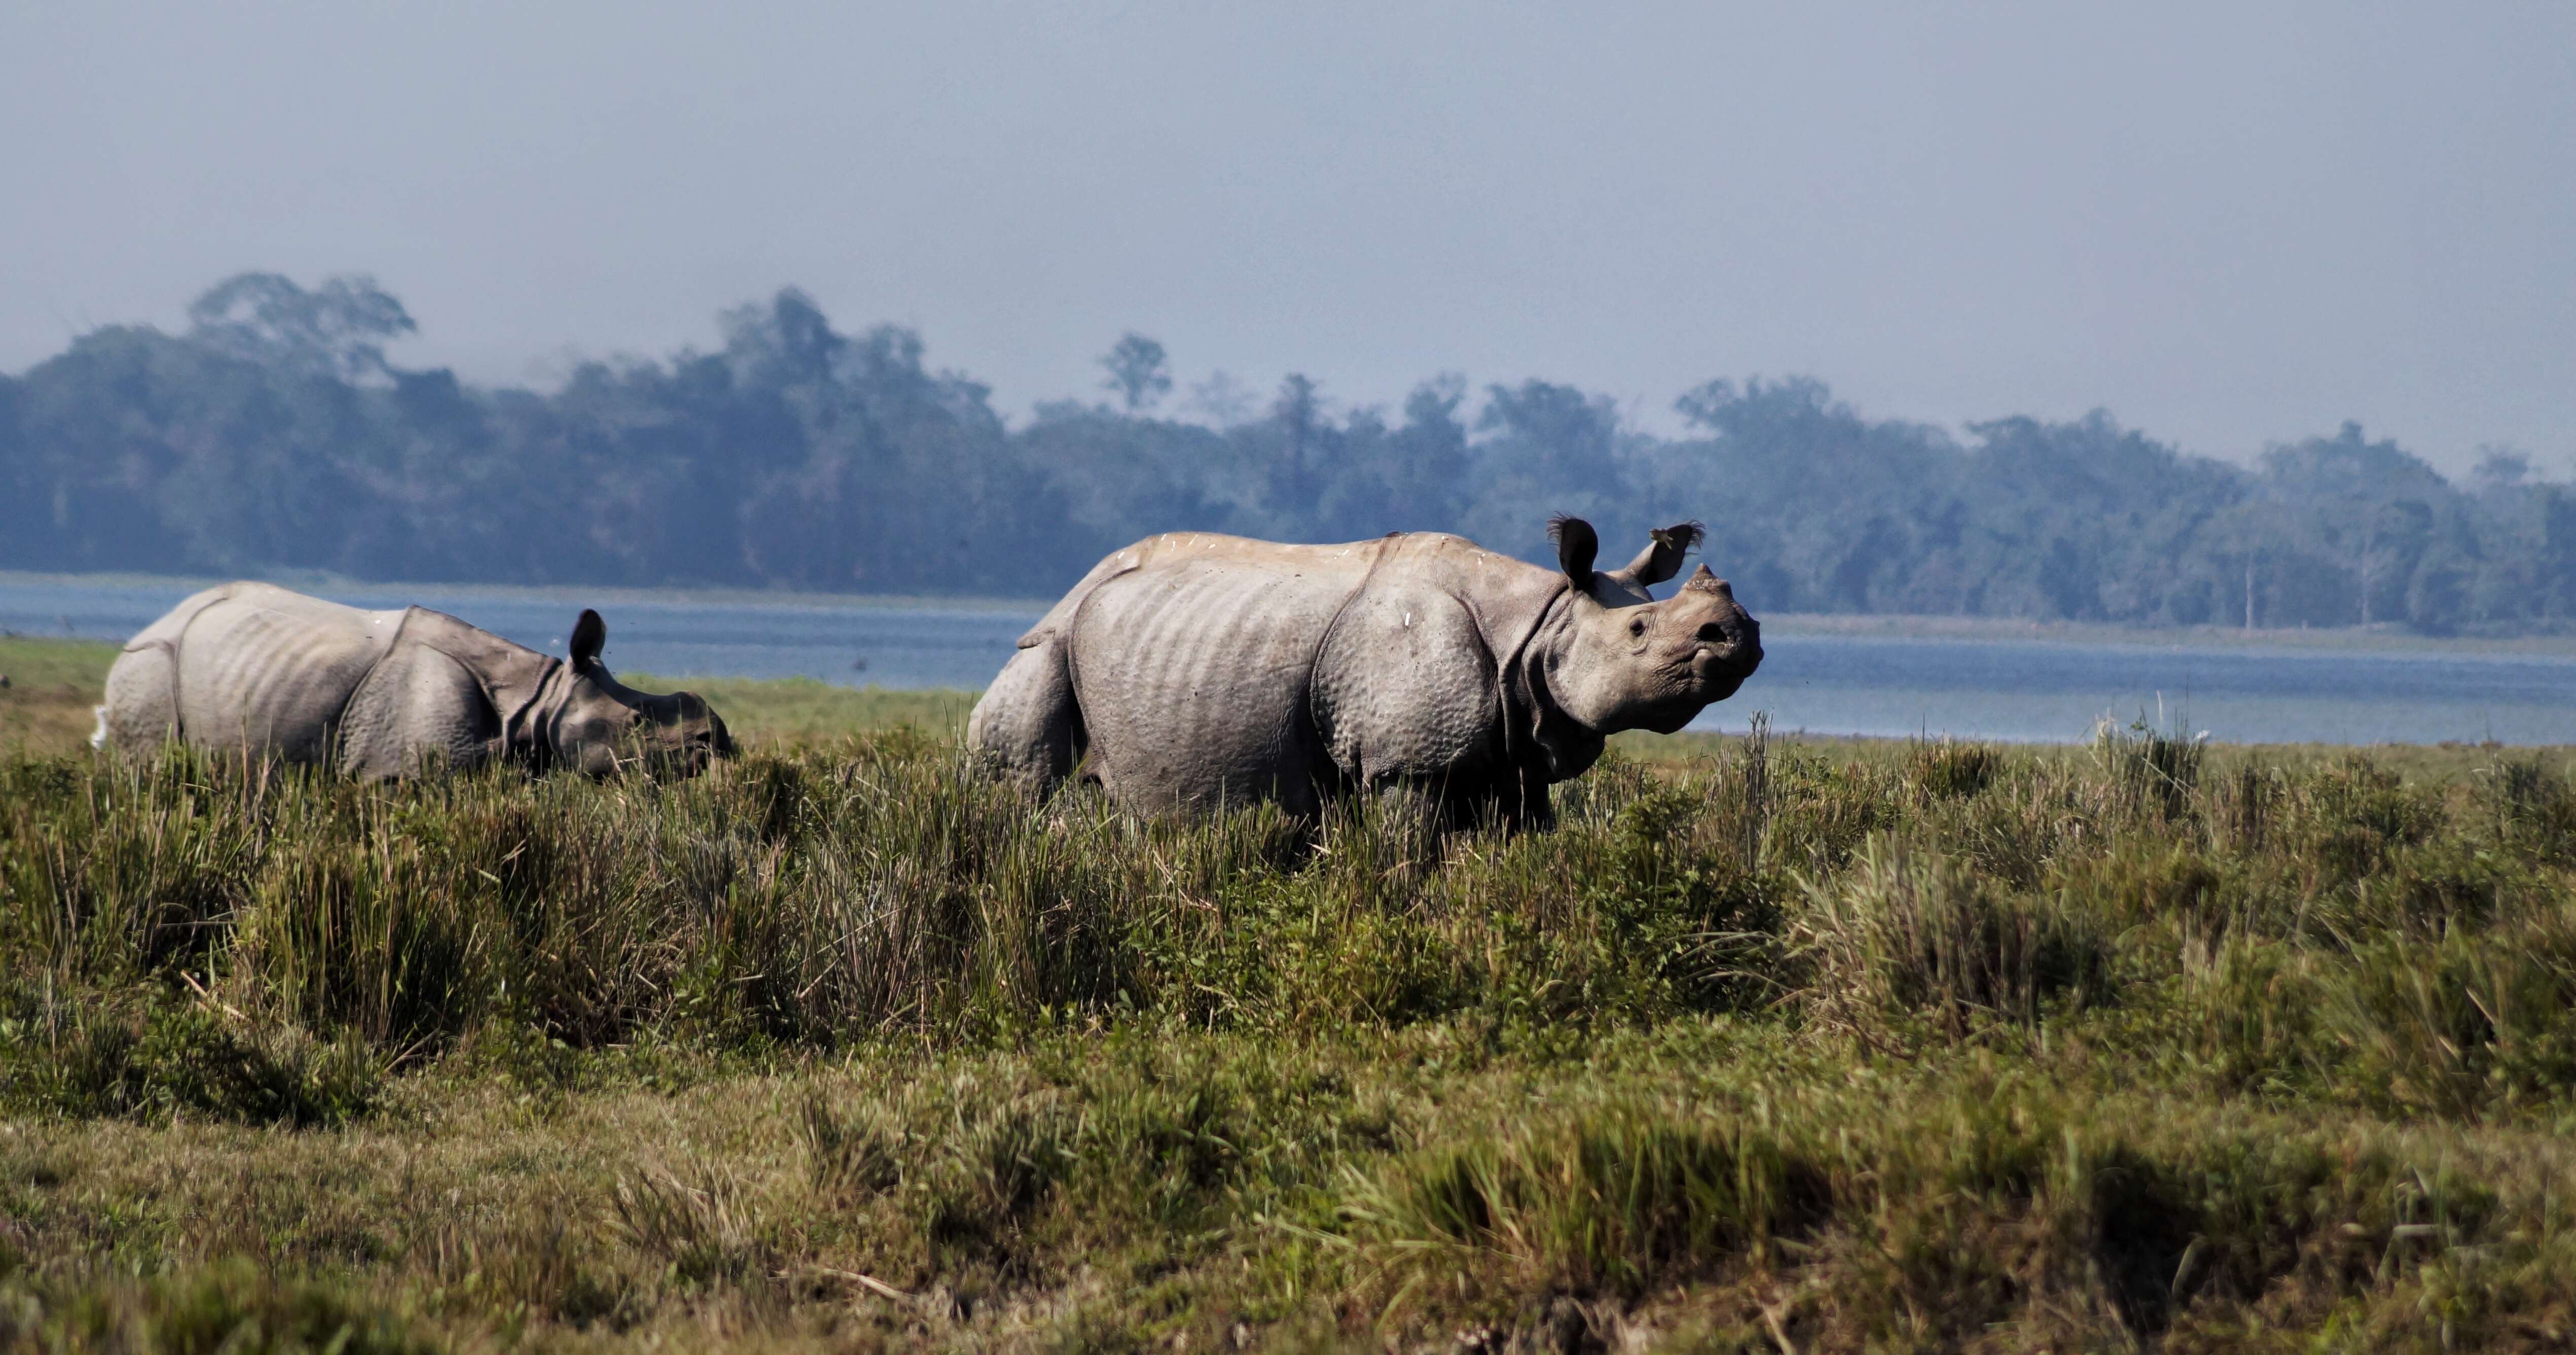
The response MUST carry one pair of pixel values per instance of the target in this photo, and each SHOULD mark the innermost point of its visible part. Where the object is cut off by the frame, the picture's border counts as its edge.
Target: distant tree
(2439, 591)
(2386, 550)
(1430, 462)
(338, 329)
(783, 344)
(2499, 469)
(2554, 553)
(2238, 542)
(1223, 400)
(1568, 433)
(1137, 371)
(1297, 416)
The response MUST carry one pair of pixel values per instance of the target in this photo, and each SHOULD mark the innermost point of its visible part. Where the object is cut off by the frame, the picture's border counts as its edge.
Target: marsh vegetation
(1772, 1045)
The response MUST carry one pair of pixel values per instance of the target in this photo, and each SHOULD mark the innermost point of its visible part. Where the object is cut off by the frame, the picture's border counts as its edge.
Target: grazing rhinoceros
(256, 668)
(1198, 669)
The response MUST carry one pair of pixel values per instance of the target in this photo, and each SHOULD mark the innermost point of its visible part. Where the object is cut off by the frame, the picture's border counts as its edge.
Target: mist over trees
(274, 435)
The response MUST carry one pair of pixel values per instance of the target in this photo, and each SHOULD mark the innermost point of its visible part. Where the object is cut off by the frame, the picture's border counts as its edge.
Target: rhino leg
(1511, 801)
(1027, 720)
(141, 710)
(1523, 805)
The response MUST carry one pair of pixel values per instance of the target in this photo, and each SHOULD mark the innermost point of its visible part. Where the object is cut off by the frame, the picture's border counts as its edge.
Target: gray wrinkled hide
(1197, 669)
(254, 668)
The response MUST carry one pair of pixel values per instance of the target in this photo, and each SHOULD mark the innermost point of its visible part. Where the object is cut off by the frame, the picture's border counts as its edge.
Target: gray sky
(2227, 223)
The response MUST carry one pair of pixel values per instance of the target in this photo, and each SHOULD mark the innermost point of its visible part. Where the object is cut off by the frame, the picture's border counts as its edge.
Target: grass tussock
(1917, 1046)
(1902, 936)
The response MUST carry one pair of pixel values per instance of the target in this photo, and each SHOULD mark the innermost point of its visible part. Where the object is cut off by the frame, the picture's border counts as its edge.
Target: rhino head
(594, 724)
(1621, 660)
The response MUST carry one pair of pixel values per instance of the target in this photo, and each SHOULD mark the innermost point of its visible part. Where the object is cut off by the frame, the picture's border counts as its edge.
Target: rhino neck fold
(525, 699)
(1557, 745)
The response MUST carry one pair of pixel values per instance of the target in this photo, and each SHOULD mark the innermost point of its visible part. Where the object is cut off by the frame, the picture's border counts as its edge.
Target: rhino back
(268, 670)
(1177, 548)
(1191, 673)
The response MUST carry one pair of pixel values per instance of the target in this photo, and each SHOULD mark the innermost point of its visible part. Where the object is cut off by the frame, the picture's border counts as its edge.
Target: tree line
(274, 434)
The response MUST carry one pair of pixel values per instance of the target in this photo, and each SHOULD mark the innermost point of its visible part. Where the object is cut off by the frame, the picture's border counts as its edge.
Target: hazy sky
(2227, 223)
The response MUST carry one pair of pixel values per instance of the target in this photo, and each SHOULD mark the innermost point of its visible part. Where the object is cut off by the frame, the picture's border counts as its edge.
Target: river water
(2020, 690)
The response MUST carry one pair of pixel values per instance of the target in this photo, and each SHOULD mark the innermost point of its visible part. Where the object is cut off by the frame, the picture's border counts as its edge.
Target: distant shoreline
(2379, 639)
(603, 593)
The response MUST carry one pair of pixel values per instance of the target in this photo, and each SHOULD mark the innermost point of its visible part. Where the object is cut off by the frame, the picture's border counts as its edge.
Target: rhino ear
(589, 635)
(1576, 547)
(1662, 557)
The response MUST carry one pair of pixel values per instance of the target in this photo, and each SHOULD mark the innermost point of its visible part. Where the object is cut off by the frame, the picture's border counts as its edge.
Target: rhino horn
(1705, 582)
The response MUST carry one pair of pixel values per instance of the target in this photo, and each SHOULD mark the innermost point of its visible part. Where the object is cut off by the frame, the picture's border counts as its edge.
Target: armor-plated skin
(1194, 669)
(255, 668)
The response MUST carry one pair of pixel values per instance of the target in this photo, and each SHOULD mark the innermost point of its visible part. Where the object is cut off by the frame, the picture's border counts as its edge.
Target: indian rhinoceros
(1197, 669)
(251, 667)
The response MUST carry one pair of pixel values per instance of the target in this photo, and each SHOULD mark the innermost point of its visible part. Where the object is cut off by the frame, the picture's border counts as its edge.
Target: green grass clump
(1900, 936)
(1789, 1044)
(229, 1309)
(145, 1054)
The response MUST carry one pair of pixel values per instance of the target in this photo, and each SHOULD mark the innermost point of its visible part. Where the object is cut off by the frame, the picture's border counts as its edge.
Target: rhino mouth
(1673, 721)
(1706, 686)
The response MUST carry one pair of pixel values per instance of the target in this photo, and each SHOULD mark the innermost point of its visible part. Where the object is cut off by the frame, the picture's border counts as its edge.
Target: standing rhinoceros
(256, 668)
(1198, 669)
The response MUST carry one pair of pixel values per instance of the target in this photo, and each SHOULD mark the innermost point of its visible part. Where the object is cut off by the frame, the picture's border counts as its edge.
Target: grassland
(1772, 1046)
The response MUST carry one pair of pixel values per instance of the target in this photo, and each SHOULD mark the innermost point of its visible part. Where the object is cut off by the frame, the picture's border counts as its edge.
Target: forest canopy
(275, 435)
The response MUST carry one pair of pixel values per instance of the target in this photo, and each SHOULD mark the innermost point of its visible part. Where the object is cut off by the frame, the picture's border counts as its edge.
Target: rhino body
(255, 668)
(1198, 669)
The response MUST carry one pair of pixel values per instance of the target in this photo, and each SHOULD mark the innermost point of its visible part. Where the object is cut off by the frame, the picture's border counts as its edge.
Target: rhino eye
(1637, 627)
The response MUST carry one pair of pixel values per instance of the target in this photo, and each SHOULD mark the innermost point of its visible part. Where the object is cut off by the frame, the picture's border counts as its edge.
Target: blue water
(2053, 691)
(1827, 684)
(854, 643)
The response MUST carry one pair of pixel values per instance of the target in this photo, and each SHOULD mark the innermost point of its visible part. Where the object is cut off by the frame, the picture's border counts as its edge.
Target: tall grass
(879, 887)
(817, 898)
(1944, 1045)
